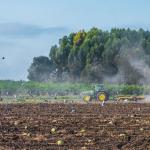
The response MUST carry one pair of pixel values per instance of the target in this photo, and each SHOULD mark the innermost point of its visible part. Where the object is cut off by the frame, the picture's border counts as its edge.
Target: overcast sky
(28, 28)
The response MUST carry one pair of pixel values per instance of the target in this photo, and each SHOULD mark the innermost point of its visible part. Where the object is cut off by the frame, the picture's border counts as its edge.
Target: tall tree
(40, 69)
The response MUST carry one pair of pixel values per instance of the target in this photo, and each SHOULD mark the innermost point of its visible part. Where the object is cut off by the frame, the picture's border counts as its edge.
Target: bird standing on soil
(73, 110)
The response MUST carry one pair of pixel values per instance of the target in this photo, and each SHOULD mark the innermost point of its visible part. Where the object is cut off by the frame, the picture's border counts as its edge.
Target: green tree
(40, 69)
(96, 54)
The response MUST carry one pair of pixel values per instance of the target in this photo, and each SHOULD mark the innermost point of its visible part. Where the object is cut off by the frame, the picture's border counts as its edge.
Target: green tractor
(100, 93)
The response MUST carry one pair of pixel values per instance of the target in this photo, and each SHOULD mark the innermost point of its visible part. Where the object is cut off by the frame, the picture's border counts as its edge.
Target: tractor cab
(99, 87)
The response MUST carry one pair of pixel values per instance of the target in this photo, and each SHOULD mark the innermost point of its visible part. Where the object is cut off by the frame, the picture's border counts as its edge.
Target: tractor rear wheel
(102, 96)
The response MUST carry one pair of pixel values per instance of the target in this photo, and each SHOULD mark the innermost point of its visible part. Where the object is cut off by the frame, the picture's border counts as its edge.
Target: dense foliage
(118, 56)
(40, 69)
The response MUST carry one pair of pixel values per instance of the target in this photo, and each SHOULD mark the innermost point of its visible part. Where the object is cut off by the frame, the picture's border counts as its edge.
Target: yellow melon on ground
(60, 142)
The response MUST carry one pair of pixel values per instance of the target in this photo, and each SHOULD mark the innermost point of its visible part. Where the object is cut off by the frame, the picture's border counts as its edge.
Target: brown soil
(79, 126)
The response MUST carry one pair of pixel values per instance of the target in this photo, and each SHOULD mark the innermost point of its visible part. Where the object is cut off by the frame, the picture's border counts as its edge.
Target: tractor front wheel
(87, 98)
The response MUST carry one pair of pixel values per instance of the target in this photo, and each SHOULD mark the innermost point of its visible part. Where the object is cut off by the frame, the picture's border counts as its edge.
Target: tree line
(115, 56)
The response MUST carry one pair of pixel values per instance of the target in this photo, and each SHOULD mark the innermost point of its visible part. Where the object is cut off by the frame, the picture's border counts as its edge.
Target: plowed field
(77, 126)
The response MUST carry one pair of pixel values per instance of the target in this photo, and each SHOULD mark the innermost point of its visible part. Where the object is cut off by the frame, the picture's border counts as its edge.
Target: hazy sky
(28, 28)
